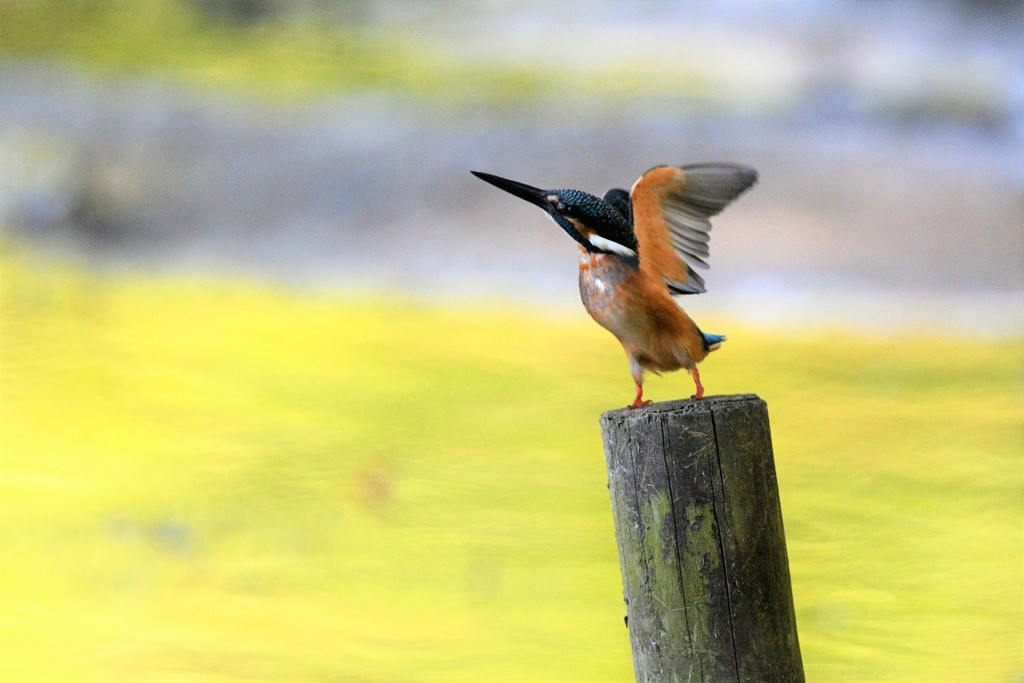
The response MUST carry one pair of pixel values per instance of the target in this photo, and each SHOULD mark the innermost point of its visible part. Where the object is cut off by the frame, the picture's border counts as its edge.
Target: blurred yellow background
(286, 394)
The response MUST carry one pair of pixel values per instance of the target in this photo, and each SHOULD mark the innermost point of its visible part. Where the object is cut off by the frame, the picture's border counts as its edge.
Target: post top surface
(687, 405)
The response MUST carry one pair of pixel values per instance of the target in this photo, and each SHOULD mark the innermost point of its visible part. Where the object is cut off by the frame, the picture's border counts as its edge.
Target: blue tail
(712, 341)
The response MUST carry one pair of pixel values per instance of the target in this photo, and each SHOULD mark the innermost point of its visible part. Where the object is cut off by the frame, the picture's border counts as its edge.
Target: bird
(640, 249)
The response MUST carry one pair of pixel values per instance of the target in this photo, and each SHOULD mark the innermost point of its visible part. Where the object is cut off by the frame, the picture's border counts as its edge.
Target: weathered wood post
(701, 544)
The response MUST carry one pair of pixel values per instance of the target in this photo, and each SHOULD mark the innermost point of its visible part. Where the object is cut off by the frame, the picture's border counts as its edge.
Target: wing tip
(747, 175)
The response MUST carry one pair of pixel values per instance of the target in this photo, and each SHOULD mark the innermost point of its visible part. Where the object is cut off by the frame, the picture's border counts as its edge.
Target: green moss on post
(701, 544)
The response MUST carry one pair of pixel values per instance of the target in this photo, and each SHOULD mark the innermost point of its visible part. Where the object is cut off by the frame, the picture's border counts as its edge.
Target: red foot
(639, 401)
(700, 387)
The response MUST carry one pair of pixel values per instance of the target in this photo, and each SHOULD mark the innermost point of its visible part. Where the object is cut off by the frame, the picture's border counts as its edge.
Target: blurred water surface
(202, 481)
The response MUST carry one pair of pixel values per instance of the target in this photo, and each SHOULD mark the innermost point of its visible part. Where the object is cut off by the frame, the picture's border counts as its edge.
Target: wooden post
(701, 544)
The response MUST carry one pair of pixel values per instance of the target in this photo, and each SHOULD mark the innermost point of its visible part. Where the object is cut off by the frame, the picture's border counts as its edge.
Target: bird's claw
(638, 400)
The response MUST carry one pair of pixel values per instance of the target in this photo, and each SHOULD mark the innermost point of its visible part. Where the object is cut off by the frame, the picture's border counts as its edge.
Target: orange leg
(700, 387)
(639, 401)
(638, 380)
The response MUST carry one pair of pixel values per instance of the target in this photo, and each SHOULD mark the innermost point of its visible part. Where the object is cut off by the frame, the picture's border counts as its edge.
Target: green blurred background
(286, 394)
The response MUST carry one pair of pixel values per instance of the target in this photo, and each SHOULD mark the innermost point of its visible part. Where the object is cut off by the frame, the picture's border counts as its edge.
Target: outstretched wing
(671, 208)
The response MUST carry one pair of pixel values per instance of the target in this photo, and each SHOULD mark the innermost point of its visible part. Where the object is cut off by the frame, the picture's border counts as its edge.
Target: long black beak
(523, 191)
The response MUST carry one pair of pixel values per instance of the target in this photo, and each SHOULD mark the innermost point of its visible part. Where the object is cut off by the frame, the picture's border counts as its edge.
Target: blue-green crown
(596, 214)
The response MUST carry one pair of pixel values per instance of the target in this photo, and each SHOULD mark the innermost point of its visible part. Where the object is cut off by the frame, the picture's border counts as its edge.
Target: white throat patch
(608, 245)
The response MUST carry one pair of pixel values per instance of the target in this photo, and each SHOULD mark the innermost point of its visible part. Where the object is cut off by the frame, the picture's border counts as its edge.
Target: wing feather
(671, 208)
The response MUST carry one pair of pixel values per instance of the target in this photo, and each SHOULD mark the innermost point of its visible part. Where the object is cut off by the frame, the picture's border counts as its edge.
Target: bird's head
(594, 223)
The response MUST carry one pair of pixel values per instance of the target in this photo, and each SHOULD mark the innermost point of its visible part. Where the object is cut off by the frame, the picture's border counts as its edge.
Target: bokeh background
(287, 394)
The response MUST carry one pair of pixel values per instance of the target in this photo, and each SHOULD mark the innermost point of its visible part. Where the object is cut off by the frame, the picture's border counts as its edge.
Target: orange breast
(640, 313)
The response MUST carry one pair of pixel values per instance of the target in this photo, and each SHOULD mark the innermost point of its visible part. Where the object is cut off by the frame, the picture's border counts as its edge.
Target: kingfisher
(638, 250)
